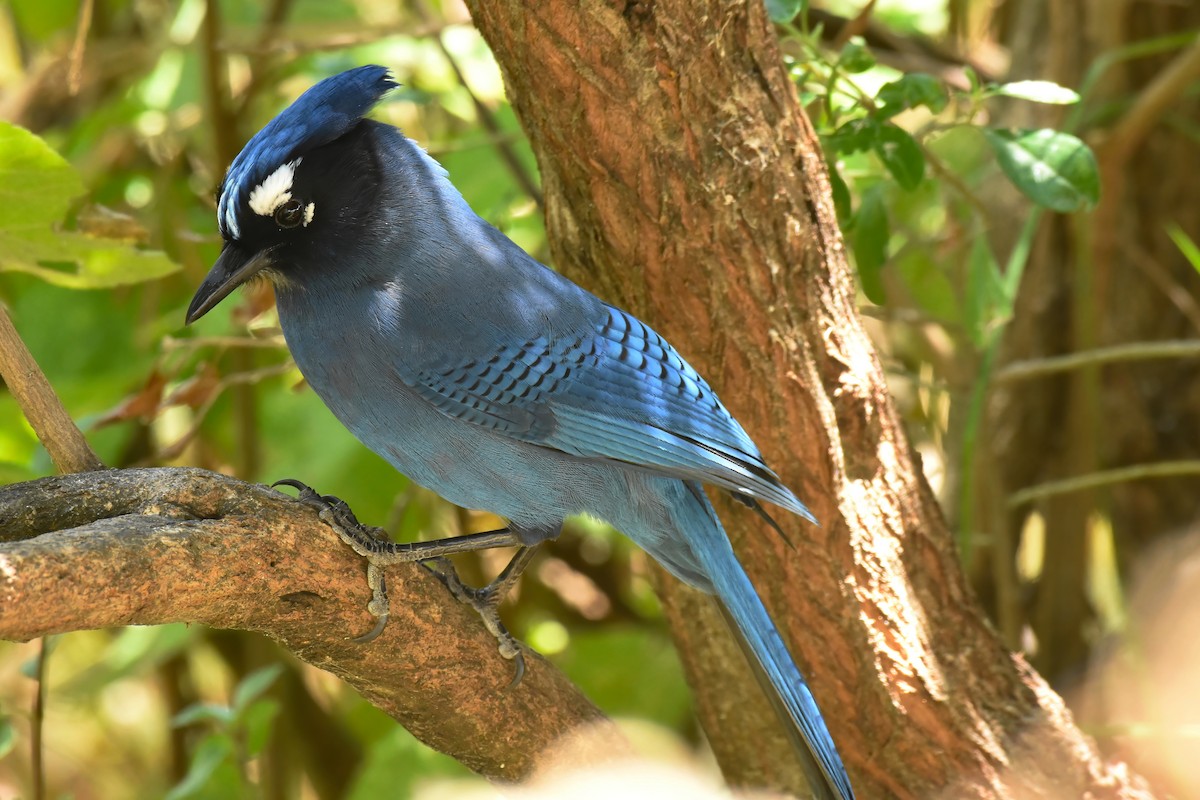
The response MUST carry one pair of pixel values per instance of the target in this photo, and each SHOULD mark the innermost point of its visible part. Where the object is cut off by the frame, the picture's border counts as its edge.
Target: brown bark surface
(682, 181)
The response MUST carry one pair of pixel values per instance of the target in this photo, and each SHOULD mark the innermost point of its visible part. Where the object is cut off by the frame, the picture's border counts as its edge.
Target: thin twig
(1134, 351)
(54, 427)
(855, 26)
(36, 756)
(1161, 277)
(248, 378)
(259, 57)
(1153, 101)
(1094, 480)
(952, 178)
(75, 73)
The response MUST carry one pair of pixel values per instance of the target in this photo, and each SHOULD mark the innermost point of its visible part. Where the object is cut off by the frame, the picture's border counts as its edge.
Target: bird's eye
(290, 214)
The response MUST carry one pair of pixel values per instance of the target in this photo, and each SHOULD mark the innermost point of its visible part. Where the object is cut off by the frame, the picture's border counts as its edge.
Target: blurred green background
(148, 101)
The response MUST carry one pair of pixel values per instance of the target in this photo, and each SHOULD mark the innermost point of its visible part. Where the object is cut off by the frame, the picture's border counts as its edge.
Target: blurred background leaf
(948, 126)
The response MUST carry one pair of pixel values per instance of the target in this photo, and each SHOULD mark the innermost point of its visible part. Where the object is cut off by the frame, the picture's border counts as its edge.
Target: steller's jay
(487, 377)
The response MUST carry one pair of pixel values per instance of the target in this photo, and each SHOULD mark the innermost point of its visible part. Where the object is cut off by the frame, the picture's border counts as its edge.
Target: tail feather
(761, 639)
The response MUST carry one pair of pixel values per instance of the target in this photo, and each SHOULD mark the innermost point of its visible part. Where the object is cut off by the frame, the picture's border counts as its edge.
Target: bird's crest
(328, 110)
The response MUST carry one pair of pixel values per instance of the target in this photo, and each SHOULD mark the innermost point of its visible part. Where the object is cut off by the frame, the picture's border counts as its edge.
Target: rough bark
(147, 547)
(683, 181)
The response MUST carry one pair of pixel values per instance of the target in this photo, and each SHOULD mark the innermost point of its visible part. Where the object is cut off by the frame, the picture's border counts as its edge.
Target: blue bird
(486, 376)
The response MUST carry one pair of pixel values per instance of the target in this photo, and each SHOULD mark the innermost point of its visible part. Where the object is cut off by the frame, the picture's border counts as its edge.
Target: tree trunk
(683, 181)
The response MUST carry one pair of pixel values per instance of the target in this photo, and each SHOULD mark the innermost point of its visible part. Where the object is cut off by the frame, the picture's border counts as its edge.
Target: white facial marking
(309, 210)
(231, 222)
(274, 191)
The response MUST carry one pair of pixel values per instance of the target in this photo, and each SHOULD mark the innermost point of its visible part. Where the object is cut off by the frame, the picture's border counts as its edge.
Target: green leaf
(36, 188)
(1185, 244)
(207, 758)
(1047, 92)
(37, 183)
(870, 236)
(986, 301)
(1053, 169)
(197, 712)
(8, 736)
(841, 194)
(901, 154)
(257, 721)
(973, 79)
(254, 684)
(915, 89)
(854, 136)
(784, 10)
(855, 56)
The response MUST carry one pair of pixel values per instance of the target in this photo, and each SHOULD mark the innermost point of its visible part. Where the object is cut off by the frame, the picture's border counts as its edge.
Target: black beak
(233, 268)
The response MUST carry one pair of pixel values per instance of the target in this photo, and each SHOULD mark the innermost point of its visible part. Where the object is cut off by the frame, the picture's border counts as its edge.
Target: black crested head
(327, 111)
(300, 189)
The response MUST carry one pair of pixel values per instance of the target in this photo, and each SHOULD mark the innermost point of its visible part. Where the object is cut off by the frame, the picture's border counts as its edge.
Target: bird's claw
(373, 545)
(308, 495)
(486, 602)
(364, 540)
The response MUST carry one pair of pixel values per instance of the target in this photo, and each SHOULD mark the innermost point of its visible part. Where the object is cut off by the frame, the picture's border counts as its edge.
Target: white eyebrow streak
(275, 190)
(231, 222)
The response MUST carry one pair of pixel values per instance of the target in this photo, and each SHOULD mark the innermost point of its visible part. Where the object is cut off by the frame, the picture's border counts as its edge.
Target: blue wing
(617, 391)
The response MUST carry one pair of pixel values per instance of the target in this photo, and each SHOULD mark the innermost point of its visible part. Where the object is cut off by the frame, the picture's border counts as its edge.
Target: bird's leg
(373, 545)
(486, 601)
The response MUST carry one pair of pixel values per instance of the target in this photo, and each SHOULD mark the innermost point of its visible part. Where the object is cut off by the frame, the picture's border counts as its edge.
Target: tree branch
(1130, 351)
(1107, 477)
(54, 427)
(152, 546)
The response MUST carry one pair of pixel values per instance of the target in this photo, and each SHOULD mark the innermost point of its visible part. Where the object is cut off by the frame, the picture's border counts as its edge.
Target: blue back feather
(617, 391)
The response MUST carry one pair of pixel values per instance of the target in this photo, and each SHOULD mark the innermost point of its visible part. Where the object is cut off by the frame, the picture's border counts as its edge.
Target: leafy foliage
(1055, 170)
(36, 188)
(89, 176)
(238, 732)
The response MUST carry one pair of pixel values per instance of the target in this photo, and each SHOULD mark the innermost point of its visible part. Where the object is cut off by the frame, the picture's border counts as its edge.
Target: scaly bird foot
(364, 540)
(486, 602)
(379, 551)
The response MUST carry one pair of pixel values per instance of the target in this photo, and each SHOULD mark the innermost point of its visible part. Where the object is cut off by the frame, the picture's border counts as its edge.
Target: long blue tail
(825, 771)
